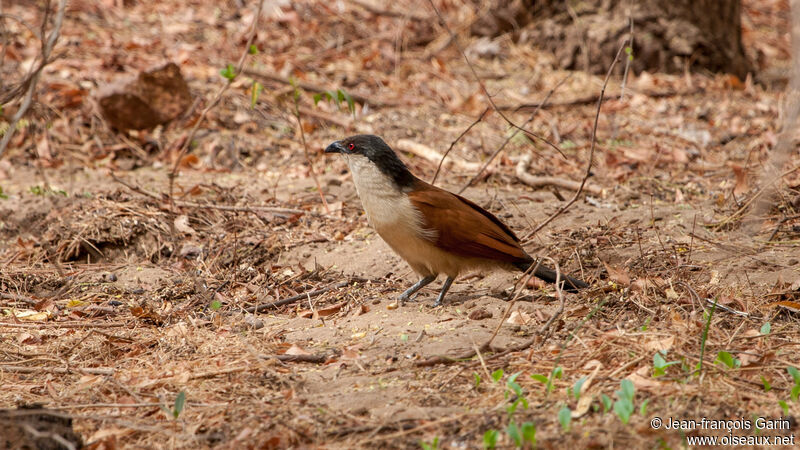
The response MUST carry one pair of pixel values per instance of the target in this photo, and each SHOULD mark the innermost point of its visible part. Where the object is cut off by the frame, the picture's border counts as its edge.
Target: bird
(435, 231)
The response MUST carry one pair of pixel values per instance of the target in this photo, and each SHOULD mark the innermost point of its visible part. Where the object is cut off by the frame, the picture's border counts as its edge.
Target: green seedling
(565, 417)
(229, 72)
(660, 364)
(728, 359)
(623, 407)
(490, 439)
(432, 446)
(177, 407)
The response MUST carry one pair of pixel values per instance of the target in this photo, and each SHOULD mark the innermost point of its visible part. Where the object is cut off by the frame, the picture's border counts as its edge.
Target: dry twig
(591, 150)
(33, 78)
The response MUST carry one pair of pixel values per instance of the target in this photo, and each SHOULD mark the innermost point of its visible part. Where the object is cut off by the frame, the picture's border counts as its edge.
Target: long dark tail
(545, 273)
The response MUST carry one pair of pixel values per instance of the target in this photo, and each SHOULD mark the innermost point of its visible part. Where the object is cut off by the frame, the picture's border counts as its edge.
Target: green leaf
(784, 407)
(795, 394)
(180, 401)
(794, 373)
(727, 359)
(704, 338)
(766, 328)
(564, 417)
(215, 305)
(576, 390)
(490, 439)
(497, 375)
(643, 408)
(623, 409)
(229, 72)
(477, 379)
(628, 391)
(529, 433)
(37, 190)
(256, 91)
(514, 433)
(540, 378)
(558, 372)
(606, 400)
(253, 50)
(765, 382)
(317, 97)
(2, 195)
(351, 105)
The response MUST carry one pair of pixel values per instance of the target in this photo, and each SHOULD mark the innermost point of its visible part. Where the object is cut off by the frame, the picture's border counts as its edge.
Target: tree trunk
(669, 35)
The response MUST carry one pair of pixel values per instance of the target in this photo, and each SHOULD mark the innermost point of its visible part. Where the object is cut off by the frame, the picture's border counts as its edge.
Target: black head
(377, 151)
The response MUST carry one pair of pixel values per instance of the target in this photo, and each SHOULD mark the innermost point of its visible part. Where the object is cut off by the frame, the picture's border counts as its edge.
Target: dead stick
(190, 137)
(483, 86)
(463, 133)
(47, 48)
(538, 181)
(90, 370)
(294, 298)
(508, 139)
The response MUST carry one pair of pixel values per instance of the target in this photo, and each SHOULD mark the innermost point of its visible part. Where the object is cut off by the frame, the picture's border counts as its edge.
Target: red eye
(351, 146)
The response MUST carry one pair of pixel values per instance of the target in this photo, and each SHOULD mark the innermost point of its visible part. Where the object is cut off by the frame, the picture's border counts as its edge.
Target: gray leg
(413, 289)
(445, 287)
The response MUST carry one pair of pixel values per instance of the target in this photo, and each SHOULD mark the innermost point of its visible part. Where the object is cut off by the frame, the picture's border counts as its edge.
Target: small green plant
(229, 72)
(646, 324)
(255, 91)
(432, 446)
(766, 383)
(216, 305)
(556, 373)
(338, 96)
(490, 439)
(699, 367)
(765, 329)
(477, 379)
(177, 407)
(623, 407)
(606, 401)
(497, 375)
(253, 50)
(2, 195)
(39, 190)
(520, 434)
(575, 390)
(514, 387)
(660, 364)
(565, 417)
(728, 359)
(795, 393)
(784, 406)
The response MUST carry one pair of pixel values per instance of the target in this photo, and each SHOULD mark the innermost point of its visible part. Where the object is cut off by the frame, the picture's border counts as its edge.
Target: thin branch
(508, 139)
(483, 86)
(317, 88)
(217, 97)
(298, 297)
(452, 144)
(591, 150)
(47, 48)
(305, 151)
(538, 181)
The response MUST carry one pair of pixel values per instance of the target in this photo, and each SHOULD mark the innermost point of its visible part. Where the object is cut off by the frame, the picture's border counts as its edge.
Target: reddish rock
(156, 96)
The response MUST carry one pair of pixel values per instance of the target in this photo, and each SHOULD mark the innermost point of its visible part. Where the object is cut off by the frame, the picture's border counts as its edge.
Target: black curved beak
(335, 147)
